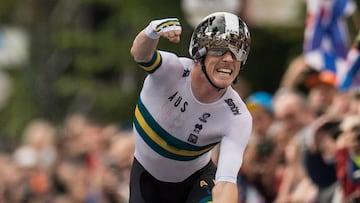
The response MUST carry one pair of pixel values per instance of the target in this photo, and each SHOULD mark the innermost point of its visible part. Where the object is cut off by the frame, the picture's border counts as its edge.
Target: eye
(217, 51)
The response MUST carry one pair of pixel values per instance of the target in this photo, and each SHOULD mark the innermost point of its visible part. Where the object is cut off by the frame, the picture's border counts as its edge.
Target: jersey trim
(206, 200)
(153, 64)
(161, 141)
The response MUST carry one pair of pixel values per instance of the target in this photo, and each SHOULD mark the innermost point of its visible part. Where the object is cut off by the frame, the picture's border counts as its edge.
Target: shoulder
(174, 67)
(164, 60)
(239, 119)
(171, 59)
(236, 104)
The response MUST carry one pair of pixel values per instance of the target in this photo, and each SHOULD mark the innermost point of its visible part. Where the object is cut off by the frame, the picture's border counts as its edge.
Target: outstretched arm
(147, 40)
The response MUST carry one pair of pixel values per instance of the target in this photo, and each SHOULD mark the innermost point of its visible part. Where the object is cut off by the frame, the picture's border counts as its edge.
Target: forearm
(143, 47)
(225, 192)
(147, 40)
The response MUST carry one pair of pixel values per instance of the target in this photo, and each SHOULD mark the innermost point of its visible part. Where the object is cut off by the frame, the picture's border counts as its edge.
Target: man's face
(222, 69)
(288, 111)
(262, 120)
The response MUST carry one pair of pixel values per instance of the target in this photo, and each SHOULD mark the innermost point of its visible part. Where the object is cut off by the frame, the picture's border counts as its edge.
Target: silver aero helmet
(221, 30)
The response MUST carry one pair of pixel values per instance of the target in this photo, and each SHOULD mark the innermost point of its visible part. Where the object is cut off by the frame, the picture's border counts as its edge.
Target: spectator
(347, 158)
(260, 105)
(40, 136)
(119, 157)
(321, 90)
(35, 159)
(354, 102)
(296, 186)
(295, 117)
(257, 177)
(320, 158)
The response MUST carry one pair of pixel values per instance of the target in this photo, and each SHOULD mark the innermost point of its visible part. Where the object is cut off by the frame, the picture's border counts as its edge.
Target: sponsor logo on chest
(234, 109)
(181, 104)
(194, 135)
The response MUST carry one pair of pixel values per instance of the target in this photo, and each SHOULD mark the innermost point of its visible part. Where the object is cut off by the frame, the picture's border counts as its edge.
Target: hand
(172, 35)
(225, 192)
(169, 28)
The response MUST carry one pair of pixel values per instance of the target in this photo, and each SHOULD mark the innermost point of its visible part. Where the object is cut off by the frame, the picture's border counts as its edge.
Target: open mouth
(224, 71)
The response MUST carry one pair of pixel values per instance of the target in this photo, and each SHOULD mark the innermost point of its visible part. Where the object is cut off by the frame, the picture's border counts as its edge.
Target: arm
(225, 192)
(147, 40)
(232, 148)
(143, 47)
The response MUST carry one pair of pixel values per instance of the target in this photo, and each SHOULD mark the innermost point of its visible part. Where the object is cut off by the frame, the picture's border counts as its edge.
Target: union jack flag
(326, 27)
(348, 75)
(326, 40)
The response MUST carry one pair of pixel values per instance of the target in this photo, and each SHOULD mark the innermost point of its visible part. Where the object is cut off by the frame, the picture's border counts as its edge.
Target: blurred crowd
(80, 161)
(305, 146)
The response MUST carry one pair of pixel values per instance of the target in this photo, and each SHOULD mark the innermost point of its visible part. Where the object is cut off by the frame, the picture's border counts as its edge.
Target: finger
(177, 32)
(167, 34)
(171, 36)
(175, 39)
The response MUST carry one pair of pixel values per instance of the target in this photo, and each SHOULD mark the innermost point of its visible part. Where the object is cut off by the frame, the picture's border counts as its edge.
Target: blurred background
(59, 57)
(68, 89)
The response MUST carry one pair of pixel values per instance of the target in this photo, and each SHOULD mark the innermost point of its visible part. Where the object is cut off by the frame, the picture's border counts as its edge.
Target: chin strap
(202, 62)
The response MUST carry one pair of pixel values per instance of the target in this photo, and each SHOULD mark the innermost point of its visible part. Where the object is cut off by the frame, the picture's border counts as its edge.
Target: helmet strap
(237, 77)
(202, 62)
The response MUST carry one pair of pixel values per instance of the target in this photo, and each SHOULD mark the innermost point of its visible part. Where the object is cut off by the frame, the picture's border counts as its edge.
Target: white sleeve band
(151, 33)
(164, 25)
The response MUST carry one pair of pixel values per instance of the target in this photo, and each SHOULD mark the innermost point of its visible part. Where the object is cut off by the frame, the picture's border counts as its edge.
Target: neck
(202, 90)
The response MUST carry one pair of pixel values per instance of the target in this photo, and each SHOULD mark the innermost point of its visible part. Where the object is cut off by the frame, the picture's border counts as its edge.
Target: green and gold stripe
(153, 64)
(166, 24)
(161, 141)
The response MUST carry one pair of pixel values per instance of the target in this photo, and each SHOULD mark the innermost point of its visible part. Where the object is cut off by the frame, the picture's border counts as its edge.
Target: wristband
(158, 26)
